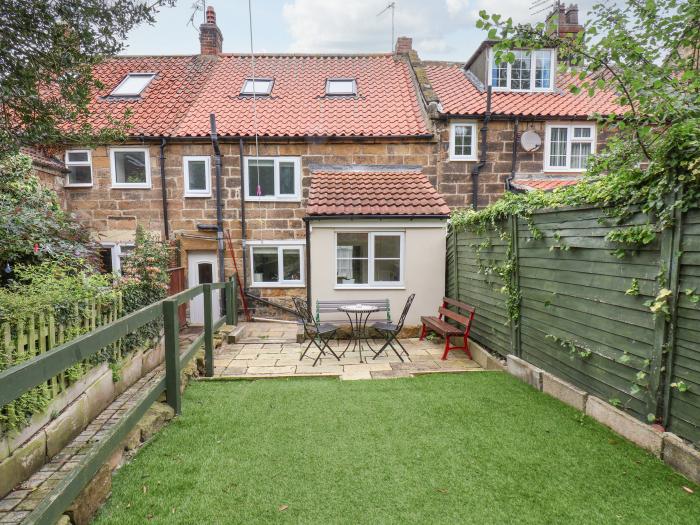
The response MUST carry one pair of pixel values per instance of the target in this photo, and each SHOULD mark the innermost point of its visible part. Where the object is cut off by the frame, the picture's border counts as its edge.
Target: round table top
(358, 308)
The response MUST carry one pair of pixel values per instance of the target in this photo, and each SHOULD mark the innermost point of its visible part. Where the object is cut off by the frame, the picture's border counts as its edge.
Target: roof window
(341, 86)
(257, 86)
(132, 85)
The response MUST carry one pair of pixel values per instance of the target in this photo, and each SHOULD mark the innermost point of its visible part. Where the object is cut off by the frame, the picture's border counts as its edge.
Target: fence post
(208, 331)
(455, 262)
(230, 291)
(172, 354)
(515, 345)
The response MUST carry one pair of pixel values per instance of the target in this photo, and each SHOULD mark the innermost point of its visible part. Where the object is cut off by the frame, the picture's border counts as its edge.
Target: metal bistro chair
(390, 331)
(315, 330)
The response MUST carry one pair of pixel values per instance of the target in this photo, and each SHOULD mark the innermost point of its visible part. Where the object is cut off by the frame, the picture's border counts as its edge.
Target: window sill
(368, 287)
(278, 285)
(273, 199)
(197, 195)
(560, 171)
(86, 185)
(131, 186)
(454, 158)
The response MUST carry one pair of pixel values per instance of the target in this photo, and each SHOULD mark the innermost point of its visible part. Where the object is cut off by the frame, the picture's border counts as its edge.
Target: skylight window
(132, 85)
(341, 86)
(257, 87)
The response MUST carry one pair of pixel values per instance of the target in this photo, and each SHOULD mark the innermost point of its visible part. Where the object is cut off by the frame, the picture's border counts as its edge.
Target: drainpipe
(244, 237)
(219, 202)
(482, 157)
(164, 189)
(308, 262)
(514, 158)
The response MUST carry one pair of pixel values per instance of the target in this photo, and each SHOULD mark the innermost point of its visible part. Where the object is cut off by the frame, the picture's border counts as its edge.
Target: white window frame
(249, 93)
(130, 185)
(116, 252)
(70, 184)
(352, 93)
(126, 78)
(533, 63)
(280, 245)
(186, 172)
(276, 197)
(453, 126)
(371, 283)
(569, 140)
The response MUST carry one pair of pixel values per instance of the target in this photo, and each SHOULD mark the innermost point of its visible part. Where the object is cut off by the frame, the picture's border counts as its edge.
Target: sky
(441, 29)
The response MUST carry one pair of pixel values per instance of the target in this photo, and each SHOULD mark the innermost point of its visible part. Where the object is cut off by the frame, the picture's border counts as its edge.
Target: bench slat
(440, 326)
(458, 304)
(461, 319)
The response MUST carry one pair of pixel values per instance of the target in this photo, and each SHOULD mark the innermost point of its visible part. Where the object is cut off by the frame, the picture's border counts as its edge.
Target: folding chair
(315, 330)
(390, 331)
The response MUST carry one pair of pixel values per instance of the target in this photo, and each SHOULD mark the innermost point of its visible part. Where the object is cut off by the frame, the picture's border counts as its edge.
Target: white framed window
(197, 172)
(462, 141)
(568, 146)
(112, 256)
(132, 85)
(131, 167)
(369, 259)
(530, 71)
(79, 164)
(259, 87)
(272, 178)
(341, 86)
(277, 264)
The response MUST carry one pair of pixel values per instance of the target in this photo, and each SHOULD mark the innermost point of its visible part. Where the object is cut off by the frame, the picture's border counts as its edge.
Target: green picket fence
(40, 369)
(582, 313)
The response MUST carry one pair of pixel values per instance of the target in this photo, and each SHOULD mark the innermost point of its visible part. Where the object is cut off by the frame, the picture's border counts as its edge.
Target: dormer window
(530, 71)
(132, 85)
(260, 87)
(341, 87)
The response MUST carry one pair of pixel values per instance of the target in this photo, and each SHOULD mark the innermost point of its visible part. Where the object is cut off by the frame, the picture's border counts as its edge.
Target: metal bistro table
(358, 314)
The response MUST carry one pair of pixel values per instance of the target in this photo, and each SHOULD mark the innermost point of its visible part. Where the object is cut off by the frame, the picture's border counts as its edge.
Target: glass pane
(520, 71)
(579, 154)
(130, 167)
(387, 246)
(132, 85)
(499, 73)
(387, 270)
(340, 87)
(197, 173)
(80, 175)
(463, 140)
(261, 178)
(557, 147)
(352, 271)
(77, 156)
(352, 245)
(543, 69)
(582, 133)
(291, 261)
(258, 87)
(106, 260)
(205, 273)
(265, 268)
(287, 186)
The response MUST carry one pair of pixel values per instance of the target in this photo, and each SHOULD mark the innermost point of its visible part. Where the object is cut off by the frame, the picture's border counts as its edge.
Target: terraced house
(340, 164)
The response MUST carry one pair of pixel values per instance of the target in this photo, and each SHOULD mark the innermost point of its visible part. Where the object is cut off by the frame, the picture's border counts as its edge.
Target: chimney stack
(566, 20)
(404, 45)
(210, 37)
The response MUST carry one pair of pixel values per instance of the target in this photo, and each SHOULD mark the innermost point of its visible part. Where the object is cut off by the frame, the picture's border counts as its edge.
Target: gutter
(219, 202)
(482, 153)
(514, 158)
(243, 226)
(308, 138)
(374, 216)
(164, 189)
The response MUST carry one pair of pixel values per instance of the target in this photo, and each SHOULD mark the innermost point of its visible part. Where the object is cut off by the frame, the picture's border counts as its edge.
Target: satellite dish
(530, 141)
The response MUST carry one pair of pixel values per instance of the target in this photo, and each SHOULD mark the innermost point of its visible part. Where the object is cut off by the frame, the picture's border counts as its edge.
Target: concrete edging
(675, 452)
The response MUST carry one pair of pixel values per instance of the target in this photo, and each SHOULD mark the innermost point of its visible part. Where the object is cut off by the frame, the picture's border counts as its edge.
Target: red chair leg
(422, 333)
(447, 348)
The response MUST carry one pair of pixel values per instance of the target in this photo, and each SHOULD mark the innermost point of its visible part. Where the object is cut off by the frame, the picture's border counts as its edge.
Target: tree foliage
(47, 51)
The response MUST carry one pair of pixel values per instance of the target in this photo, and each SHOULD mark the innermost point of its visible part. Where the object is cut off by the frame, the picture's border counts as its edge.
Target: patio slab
(254, 358)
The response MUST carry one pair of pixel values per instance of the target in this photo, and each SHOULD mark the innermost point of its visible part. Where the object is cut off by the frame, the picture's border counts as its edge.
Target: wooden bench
(441, 326)
(330, 308)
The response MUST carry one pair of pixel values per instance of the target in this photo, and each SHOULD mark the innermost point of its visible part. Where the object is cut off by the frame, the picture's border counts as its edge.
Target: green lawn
(454, 448)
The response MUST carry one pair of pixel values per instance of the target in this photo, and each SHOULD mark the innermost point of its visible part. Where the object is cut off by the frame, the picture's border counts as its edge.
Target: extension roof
(460, 96)
(373, 190)
(186, 89)
(543, 183)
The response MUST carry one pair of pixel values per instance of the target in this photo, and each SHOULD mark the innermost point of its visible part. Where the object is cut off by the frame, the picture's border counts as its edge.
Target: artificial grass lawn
(478, 447)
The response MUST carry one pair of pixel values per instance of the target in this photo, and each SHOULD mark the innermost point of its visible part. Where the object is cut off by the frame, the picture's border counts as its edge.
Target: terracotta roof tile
(187, 89)
(460, 96)
(546, 184)
(372, 190)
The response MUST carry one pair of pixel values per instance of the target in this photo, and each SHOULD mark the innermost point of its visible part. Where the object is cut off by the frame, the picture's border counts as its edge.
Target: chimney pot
(404, 45)
(210, 37)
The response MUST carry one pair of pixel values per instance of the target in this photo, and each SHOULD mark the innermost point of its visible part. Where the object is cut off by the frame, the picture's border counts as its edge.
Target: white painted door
(201, 269)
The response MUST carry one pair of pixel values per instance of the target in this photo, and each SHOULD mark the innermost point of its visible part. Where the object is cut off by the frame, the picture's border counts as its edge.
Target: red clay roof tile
(372, 190)
(545, 184)
(460, 96)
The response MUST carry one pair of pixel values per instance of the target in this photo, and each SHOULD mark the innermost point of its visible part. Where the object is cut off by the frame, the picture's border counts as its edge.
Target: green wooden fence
(40, 369)
(582, 313)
